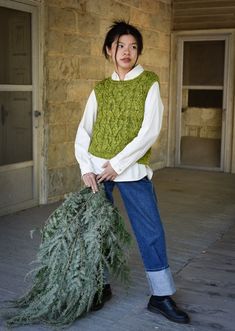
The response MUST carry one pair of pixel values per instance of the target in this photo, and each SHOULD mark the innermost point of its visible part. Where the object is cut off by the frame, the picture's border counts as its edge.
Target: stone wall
(201, 122)
(73, 63)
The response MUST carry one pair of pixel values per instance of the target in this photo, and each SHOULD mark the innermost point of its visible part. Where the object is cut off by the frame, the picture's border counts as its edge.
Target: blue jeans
(140, 201)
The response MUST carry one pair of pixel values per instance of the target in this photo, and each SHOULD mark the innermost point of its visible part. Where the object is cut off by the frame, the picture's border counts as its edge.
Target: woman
(122, 120)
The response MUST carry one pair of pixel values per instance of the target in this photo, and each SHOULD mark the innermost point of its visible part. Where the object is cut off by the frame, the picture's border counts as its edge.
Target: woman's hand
(108, 174)
(90, 181)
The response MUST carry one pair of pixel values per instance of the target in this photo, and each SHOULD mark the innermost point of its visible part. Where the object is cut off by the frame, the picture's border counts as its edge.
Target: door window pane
(15, 127)
(203, 63)
(15, 47)
(205, 98)
(201, 131)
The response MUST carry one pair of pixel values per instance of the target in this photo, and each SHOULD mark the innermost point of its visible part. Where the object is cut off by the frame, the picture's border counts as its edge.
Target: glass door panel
(202, 104)
(15, 45)
(15, 127)
(203, 63)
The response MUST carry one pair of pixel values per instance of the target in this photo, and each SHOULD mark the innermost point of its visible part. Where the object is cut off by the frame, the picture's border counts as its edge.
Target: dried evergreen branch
(80, 239)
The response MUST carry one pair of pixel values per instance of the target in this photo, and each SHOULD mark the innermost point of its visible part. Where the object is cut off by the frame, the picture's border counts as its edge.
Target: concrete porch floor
(198, 212)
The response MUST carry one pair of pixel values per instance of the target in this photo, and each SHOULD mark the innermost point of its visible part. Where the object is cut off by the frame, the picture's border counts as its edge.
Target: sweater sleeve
(147, 135)
(84, 133)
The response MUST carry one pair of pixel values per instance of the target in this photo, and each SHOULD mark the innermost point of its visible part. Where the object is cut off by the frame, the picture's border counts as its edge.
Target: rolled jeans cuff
(161, 282)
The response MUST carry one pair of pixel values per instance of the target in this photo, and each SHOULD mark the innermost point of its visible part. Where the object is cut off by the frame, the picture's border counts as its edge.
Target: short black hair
(118, 29)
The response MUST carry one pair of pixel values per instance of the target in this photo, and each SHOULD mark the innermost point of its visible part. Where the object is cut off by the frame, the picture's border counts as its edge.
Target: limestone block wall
(73, 63)
(201, 122)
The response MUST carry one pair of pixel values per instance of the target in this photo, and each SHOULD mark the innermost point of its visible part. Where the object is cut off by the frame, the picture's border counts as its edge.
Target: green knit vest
(120, 114)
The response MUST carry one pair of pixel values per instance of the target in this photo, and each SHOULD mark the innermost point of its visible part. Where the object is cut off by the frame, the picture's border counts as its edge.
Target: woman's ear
(108, 50)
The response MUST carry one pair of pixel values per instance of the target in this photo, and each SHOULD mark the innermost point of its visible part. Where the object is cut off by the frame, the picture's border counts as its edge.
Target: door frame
(34, 8)
(175, 95)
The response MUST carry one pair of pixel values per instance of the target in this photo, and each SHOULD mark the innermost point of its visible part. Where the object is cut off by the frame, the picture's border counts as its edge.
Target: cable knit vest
(120, 114)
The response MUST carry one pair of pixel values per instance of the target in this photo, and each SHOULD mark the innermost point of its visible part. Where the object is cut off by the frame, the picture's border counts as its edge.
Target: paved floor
(198, 211)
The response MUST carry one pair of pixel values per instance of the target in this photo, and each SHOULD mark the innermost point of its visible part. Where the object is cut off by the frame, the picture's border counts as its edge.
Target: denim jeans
(140, 201)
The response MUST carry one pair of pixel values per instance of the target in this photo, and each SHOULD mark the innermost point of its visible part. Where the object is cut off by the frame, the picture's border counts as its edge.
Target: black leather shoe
(106, 295)
(169, 309)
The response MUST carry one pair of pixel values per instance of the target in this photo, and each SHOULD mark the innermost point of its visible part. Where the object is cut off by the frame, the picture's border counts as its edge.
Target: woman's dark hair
(118, 29)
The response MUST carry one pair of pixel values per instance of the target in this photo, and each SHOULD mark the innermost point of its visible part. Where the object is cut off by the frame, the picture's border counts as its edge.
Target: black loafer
(169, 309)
(106, 295)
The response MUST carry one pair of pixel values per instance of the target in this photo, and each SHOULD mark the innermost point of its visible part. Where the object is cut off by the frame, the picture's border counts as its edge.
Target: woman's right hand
(90, 181)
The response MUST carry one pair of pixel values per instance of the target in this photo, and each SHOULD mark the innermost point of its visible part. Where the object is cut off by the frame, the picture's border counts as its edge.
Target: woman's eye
(120, 46)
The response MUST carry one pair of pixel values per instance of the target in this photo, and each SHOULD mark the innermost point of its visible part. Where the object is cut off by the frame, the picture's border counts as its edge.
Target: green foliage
(80, 239)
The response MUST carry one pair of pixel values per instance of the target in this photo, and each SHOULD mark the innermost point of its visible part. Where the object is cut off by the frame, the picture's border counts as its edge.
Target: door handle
(37, 113)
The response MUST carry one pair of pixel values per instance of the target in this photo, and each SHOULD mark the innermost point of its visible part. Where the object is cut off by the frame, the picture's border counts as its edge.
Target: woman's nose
(126, 51)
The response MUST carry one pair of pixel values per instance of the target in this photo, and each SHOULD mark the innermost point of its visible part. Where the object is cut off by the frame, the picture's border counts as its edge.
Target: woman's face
(123, 53)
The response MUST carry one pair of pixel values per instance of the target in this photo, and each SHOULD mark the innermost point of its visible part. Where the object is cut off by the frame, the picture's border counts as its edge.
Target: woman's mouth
(126, 60)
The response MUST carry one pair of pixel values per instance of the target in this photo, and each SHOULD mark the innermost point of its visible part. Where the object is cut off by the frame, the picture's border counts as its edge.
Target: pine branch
(80, 239)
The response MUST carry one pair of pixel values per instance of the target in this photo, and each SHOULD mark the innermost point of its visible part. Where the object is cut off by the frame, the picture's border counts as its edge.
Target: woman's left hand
(108, 174)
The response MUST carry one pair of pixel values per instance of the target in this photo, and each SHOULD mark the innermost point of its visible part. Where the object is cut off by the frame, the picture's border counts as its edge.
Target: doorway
(202, 102)
(18, 125)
